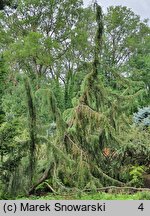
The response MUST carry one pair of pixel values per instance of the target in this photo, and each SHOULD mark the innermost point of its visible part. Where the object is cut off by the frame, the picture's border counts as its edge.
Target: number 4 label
(141, 207)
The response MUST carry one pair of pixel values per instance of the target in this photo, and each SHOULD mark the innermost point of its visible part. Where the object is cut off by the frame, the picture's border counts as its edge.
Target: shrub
(142, 116)
(137, 173)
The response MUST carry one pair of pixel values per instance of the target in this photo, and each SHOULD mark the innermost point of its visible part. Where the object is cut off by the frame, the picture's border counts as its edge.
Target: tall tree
(124, 32)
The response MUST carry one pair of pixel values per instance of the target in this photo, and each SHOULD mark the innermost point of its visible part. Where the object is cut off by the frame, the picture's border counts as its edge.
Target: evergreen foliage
(69, 86)
(142, 116)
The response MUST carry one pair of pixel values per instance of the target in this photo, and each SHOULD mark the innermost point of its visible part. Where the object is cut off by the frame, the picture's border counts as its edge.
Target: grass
(93, 196)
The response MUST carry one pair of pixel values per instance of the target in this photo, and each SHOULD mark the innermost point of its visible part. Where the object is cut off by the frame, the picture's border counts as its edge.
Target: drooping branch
(108, 178)
(117, 189)
(32, 126)
(98, 36)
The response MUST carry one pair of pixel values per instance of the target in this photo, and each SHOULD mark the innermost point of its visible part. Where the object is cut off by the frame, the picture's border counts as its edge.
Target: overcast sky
(140, 7)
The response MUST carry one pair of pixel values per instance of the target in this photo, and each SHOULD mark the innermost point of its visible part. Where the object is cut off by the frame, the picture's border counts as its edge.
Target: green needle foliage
(71, 79)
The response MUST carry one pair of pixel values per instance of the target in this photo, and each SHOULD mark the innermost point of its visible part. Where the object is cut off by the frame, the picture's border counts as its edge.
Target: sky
(139, 7)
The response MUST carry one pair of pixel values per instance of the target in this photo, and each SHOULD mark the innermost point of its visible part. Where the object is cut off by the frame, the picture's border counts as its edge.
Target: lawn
(91, 196)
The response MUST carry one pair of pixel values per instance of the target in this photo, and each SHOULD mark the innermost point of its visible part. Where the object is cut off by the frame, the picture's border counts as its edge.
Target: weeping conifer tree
(32, 128)
(93, 122)
(89, 126)
(76, 148)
